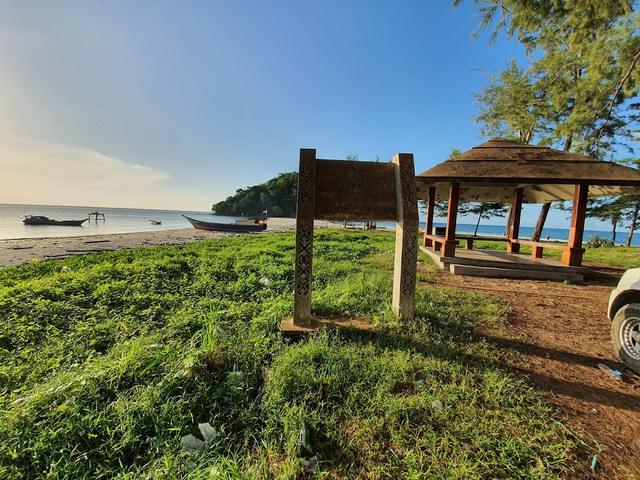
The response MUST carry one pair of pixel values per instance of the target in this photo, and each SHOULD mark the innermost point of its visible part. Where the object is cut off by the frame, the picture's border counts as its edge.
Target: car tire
(625, 335)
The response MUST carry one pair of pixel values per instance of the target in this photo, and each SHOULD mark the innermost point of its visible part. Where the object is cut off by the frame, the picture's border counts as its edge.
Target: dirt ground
(560, 334)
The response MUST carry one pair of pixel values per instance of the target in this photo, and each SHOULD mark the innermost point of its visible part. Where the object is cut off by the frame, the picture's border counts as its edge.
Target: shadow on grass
(583, 392)
(444, 350)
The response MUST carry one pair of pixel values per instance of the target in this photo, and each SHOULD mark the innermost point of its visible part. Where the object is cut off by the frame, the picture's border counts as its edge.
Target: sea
(117, 220)
(125, 220)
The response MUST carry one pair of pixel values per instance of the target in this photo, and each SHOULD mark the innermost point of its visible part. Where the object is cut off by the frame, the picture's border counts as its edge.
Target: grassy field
(108, 360)
(614, 256)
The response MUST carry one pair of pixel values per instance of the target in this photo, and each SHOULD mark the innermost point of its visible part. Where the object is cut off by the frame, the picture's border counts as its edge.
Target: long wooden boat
(227, 227)
(42, 220)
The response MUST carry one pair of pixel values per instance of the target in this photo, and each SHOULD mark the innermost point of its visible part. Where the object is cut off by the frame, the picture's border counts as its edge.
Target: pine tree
(583, 73)
(484, 210)
(608, 209)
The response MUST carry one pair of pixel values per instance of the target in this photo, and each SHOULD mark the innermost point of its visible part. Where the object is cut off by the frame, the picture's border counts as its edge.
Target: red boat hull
(226, 227)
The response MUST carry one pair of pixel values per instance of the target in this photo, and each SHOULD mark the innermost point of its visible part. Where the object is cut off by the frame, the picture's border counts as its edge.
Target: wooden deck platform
(489, 263)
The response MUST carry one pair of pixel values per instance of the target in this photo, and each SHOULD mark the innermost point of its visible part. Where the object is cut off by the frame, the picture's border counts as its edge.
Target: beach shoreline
(24, 250)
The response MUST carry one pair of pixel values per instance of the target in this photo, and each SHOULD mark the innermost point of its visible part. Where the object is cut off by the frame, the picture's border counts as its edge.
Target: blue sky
(178, 104)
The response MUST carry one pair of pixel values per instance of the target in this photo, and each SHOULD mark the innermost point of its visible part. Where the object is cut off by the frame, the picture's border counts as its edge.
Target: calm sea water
(123, 220)
(118, 220)
(561, 234)
(551, 233)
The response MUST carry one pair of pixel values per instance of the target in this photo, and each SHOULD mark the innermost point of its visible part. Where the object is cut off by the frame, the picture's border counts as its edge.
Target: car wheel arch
(624, 298)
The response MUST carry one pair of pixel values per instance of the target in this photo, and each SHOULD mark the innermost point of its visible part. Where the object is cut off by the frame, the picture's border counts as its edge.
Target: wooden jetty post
(97, 216)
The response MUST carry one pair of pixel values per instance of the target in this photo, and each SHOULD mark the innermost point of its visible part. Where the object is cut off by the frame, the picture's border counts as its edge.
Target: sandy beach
(19, 251)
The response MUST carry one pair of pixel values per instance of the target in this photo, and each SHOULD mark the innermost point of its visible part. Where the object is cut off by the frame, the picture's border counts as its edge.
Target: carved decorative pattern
(304, 238)
(306, 181)
(408, 182)
(410, 250)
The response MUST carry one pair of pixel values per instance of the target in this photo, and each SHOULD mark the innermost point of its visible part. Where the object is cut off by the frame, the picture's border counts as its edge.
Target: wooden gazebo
(507, 171)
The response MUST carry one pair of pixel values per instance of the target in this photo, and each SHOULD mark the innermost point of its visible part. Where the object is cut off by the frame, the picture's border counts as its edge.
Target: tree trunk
(632, 227)
(509, 221)
(614, 222)
(537, 232)
(477, 225)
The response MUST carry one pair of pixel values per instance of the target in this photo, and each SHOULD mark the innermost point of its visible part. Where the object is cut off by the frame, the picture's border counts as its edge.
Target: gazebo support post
(431, 205)
(573, 253)
(514, 224)
(449, 245)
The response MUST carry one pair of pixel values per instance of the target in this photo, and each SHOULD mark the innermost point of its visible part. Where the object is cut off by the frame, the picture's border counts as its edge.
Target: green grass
(614, 256)
(107, 360)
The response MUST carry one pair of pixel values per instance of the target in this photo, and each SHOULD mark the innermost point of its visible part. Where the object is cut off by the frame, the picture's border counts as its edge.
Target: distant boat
(257, 225)
(41, 220)
(155, 222)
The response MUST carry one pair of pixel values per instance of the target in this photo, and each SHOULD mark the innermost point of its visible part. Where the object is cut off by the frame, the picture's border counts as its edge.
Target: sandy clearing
(17, 252)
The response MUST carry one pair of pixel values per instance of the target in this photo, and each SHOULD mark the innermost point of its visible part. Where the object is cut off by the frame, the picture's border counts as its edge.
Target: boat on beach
(42, 220)
(246, 226)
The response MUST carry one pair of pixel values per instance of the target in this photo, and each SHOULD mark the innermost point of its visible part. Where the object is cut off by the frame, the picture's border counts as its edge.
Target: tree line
(277, 195)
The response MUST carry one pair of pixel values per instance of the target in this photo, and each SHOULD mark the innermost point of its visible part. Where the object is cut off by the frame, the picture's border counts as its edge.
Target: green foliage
(582, 77)
(483, 210)
(107, 363)
(277, 195)
(512, 105)
(598, 241)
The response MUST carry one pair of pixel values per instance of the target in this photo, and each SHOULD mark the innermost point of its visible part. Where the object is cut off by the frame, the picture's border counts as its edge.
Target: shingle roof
(490, 171)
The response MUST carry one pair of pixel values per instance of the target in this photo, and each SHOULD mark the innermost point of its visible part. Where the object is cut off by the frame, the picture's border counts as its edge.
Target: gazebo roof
(490, 172)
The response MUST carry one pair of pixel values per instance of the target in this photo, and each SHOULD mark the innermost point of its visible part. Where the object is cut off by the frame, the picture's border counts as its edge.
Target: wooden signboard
(342, 189)
(349, 190)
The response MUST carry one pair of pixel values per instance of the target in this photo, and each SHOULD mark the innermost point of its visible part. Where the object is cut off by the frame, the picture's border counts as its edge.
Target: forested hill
(277, 195)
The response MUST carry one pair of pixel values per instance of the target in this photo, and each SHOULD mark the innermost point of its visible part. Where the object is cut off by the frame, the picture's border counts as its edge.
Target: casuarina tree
(578, 90)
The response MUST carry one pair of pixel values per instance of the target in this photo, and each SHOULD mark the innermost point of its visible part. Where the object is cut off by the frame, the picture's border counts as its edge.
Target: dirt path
(561, 333)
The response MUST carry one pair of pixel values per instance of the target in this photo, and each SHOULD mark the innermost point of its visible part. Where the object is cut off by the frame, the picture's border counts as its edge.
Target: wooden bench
(537, 248)
(470, 238)
(437, 240)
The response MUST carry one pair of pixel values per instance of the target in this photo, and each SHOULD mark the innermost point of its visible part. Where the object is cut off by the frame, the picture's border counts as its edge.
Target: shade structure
(490, 172)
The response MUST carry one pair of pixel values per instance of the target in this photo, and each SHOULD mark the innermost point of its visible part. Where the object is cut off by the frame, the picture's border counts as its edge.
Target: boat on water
(42, 220)
(155, 222)
(246, 226)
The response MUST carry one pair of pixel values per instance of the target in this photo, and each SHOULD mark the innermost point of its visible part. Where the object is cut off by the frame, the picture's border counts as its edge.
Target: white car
(624, 313)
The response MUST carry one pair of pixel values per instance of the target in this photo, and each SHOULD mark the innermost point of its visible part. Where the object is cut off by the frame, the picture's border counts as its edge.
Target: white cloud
(51, 173)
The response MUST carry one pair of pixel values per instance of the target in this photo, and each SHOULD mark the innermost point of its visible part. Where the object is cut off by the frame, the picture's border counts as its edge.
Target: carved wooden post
(514, 226)
(304, 237)
(431, 205)
(406, 251)
(449, 245)
(573, 253)
(339, 189)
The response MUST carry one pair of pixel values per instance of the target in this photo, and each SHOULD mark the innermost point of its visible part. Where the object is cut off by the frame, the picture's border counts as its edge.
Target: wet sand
(17, 252)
